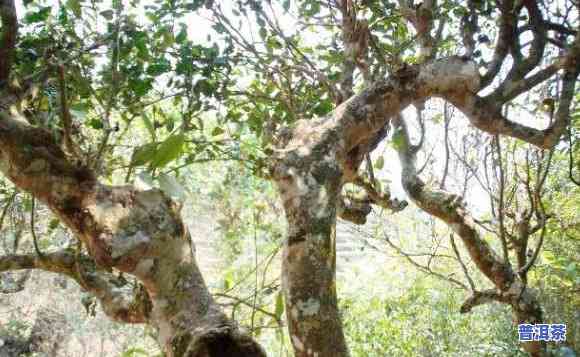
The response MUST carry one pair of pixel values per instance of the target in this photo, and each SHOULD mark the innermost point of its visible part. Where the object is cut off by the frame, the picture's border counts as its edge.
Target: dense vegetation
(162, 160)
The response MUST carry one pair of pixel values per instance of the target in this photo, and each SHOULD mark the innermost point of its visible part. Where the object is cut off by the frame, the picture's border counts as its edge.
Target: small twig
(571, 157)
(33, 230)
(114, 90)
(501, 200)
(256, 270)
(523, 271)
(65, 115)
(447, 120)
(423, 268)
(253, 306)
(463, 267)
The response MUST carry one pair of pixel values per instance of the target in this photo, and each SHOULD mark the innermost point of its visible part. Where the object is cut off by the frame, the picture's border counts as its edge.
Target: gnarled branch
(120, 304)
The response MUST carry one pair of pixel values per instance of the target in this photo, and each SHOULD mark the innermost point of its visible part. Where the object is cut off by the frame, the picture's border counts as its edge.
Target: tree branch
(8, 39)
(522, 66)
(381, 198)
(461, 263)
(65, 115)
(421, 17)
(449, 209)
(425, 269)
(120, 304)
(481, 298)
(507, 29)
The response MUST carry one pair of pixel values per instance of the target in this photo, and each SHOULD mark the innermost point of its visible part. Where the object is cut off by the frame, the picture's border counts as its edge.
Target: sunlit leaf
(168, 151)
(279, 305)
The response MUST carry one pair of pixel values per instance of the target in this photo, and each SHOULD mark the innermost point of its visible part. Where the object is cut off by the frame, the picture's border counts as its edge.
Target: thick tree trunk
(313, 161)
(527, 310)
(140, 232)
(309, 187)
(134, 231)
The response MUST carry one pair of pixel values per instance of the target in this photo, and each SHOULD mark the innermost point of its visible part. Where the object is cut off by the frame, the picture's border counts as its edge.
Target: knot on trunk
(224, 341)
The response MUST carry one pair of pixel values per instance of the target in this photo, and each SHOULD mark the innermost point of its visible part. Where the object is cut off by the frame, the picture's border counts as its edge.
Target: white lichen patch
(294, 312)
(309, 307)
(310, 352)
(301, 186)
(125, 244)
(304, 151)
(108, 214)
(294, 188)
(184, 283)
(451, 74)
(150, 199)
(320, 209)
(144, 267)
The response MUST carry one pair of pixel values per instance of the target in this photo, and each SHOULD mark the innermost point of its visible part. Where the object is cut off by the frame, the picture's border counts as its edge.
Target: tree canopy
(107, 107)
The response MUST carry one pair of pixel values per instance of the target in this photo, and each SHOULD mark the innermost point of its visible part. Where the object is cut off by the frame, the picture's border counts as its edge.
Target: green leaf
(217, 131)
(141, 41)
(149, 125)
(53, 224)
(398, 140)
(228, 280)
(169, 150)
(323, 108)
(263, 32)
(279, 305)
(204, 87)
(158, 68)
(170, 123)
(143, 154)
(380, 163)
(41, 15)
(167, 37)
(75, 7)
(273, 43)
(96, 124)
(107, 14)
(182, 35)
(141, 87)
(134, 352)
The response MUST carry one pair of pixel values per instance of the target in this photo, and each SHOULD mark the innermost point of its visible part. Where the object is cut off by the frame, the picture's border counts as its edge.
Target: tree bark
(139, 232)
(310, 166)
(309, 187)
(449, 208)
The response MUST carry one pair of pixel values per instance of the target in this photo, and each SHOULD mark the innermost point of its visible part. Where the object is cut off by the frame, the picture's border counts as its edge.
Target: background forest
(191, 98)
